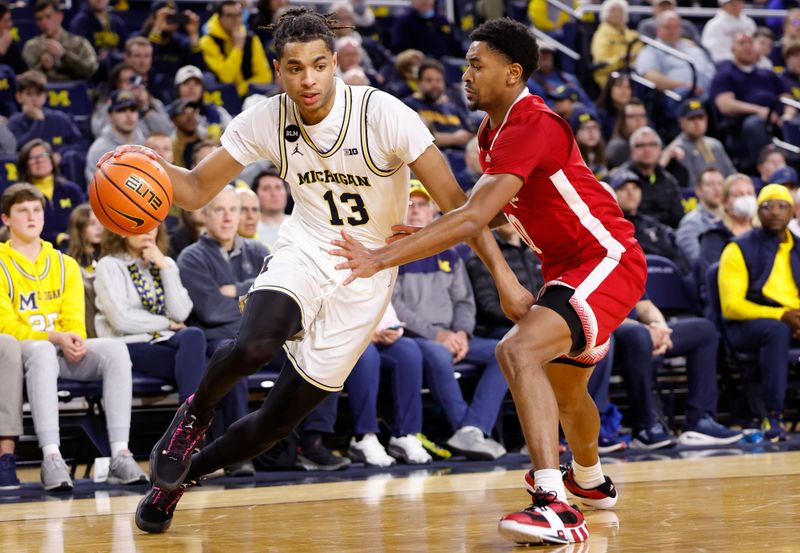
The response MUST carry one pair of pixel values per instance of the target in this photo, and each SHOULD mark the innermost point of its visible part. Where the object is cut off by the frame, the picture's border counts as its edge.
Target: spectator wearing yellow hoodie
(232, 53)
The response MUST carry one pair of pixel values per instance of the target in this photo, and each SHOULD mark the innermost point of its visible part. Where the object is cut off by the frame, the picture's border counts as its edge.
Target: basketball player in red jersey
(594, 272)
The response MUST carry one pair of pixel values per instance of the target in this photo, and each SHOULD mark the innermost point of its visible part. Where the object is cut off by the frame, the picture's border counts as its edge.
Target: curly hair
(304, 25)
(513, 40)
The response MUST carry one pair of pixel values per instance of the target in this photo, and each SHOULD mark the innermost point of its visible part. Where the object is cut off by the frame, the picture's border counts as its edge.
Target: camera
(177, 18)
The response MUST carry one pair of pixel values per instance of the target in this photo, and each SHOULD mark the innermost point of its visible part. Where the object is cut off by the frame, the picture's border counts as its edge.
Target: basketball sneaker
(547, 520)
(154, 512)
(171, 458)
(603, 496)
(772, 426)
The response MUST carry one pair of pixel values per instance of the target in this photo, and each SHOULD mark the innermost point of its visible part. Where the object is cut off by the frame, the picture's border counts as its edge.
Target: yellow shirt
(42, 296)
(46, 186)
(734, 279)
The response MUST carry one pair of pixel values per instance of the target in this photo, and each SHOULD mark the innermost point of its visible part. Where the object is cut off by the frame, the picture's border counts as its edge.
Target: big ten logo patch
(11, 171)
(142, 189)
(212, 97)
(56, 98)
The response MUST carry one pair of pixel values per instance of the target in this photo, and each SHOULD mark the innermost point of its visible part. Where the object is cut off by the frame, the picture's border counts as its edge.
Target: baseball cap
(155, 6)
(691, 107)
(415, 187)
(623, 177)
(784, 175)
(188, 72)
(775, 192)
(579, 117)
(564, 92)
(177, 106)
(122, 99)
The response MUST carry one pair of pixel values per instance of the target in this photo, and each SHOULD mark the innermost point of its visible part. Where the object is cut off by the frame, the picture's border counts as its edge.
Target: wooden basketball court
(740, 503)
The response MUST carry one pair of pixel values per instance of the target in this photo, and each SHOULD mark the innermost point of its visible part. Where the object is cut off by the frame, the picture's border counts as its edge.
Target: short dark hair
(18, 193)
(303, 25)
(704, 172)
(227, 3)
(42, 5)
(513, 40)
(430, 63)
(31, 78)
(268, 172)
(4, 9)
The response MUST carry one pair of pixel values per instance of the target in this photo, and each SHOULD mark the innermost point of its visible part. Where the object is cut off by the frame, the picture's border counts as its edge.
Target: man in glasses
(123, 115)
(759, 275)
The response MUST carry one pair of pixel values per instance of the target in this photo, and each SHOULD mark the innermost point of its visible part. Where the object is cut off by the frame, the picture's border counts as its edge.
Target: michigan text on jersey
(310, 177)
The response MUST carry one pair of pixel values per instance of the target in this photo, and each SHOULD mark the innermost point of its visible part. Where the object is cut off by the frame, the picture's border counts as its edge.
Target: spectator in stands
(611, 39)
(669, 72)
(191, 226)
(376, 56)
(350, 55)
(564, 100)
(212, 118)
(123, 113)
(232, 53)
(589, 137)
(37, 121)
(785, 176)
(355, 76)
(434, 298)
(720, 31)
(85, 233)
(10, 54)
(172, 48)
(791, 73)
(704, 217)
(10, 409)
(161, 144)
(46, 315)
(404, 80)
(105, 31)
(250, 213)
(790, 35)
(763, 40)
(421, 27)
(36, 165)
(647, 27)
(56, 52)
(661, 195)
(742, 91)
(184, 115)
(613, 97)
(647, 335)
(139, 55)
(759, 298)
(472, 166)
(739, 216)
(633, 116)
(8, 144)
(491, 322)
(273, 194)
(770, 159)
(655, 237)
(698, 151)
(544, 81)
(447, 120)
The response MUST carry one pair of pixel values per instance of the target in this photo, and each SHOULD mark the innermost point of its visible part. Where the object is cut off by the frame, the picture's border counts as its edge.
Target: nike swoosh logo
(135, 220)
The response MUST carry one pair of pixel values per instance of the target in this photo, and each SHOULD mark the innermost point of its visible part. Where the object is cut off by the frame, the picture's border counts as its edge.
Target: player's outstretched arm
(194, 188)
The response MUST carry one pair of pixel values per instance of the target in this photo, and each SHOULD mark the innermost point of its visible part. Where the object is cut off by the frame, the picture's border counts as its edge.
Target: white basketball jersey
(346, 172)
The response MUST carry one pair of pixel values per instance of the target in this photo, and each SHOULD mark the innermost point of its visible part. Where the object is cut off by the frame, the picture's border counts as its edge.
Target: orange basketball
(130, 194)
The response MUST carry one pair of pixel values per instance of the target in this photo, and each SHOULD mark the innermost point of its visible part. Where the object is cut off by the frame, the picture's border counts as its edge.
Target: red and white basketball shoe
(603, 496)
(547, 520)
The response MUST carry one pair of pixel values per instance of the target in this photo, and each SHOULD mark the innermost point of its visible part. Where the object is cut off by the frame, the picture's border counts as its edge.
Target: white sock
(549, 480)
(51, 449)
(588, 477)
(118, 447)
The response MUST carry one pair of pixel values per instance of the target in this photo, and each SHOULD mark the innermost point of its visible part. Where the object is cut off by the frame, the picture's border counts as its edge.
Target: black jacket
(657, 238)
(661, 195)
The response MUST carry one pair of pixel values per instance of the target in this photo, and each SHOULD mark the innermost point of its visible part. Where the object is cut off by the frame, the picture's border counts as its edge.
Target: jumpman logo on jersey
(297, 150)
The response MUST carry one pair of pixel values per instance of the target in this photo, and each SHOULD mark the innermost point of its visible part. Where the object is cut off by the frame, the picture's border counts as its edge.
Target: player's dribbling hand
(362, 262)
(128, 148)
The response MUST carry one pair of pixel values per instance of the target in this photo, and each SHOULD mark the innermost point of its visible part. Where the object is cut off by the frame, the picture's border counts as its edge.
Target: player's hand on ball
(362, 262)
(128, 148)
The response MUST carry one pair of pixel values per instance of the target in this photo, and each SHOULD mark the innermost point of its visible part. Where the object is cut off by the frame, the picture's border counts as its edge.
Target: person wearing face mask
(421, 27)
(759, 275)
(739, 208)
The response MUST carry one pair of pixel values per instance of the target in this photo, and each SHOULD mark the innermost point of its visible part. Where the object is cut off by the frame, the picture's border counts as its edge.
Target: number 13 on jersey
(353, 202)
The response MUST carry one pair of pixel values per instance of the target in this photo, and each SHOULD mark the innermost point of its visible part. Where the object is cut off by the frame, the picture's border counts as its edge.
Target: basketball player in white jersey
(346, 153)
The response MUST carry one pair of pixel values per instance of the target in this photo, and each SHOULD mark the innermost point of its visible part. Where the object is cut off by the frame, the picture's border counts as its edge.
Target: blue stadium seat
(517, 10)
(453, 69)
(265, 89)
(224, 95)
(8, 170)
(72, 165)
(146, 385)
(666, 287)
(8, 104)
(71, 97)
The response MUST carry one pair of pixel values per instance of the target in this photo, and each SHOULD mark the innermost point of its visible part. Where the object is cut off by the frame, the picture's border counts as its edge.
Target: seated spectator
(704, 217)
(491, 322)
(791, 73)
(10, 409)
(57, 53)
(760, 301)
(250, 214)
(104, 30)
(350, 55)
(46, 316)
(633, 116)
(36, 121)
(273, 195)
(184, 115)
(83, 245)
(647, 27)
(472, 166)
(10, 54)
(434, 298)
(745, 95)
(355, 76)
(720, 31)
(739, 216)
(699, 152)
(188, 231)
(565, 100)
(544, 81)
(647, 335)
(376, 55)
(661, 195)
(655, 237)
(447, 120)
(231, 53)
(790, 35)
(613, 97)
(763, 40)
(36, 165)
(404, 80)
(123, 114)
(171, 48)
(785, 176)
(212, 118)
(610, 41)
(586, 129)
(160, 144)
(770, 159)
(139, 56)
(421, 27)
(668, 72)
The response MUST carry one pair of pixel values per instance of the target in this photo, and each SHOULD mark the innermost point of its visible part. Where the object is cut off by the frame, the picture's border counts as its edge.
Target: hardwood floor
(717, 504)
